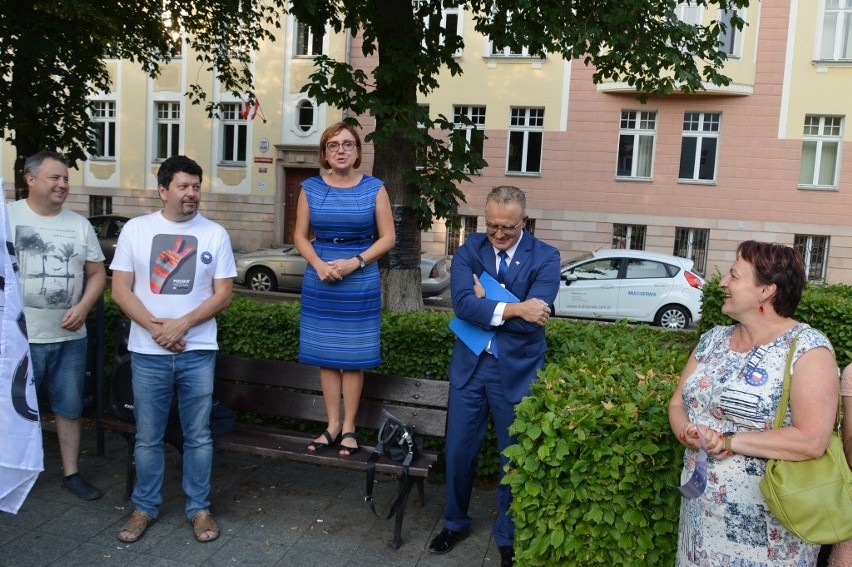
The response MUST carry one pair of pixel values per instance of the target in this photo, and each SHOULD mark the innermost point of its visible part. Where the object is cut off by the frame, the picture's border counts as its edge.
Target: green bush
(595, 466)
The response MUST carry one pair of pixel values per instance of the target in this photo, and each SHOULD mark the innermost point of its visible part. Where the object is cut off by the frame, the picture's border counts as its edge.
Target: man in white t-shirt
(62, 276)
(172, 274)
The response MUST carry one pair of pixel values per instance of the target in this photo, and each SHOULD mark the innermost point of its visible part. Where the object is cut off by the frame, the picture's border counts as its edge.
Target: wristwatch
(361, 262)
(729, 436)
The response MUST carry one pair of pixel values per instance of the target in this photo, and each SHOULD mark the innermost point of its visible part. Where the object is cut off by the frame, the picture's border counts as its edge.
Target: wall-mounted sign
(262, 159)
(261, 186)
(263, 145)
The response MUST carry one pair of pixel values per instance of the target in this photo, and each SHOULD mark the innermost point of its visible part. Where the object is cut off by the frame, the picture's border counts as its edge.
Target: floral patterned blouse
(729, 525)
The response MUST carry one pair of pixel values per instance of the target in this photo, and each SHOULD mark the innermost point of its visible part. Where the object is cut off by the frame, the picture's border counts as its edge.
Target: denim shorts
(61, 368)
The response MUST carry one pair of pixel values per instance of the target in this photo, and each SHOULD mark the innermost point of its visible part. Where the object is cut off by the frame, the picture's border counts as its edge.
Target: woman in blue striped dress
(339, 331)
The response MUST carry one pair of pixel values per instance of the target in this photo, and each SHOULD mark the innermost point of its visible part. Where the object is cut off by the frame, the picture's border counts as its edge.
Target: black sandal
(351, 450)
(320, 446)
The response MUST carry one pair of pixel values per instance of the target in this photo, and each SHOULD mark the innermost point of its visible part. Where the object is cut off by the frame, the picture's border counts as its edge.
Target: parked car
(108, 227)
(282, 269)
(631, 284)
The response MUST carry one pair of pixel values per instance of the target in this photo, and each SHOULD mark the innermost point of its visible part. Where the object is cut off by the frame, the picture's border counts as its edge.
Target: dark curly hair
(780, 265)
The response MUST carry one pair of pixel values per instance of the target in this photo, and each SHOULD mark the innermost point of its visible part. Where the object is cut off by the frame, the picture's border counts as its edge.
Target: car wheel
(672, 317)
(262, 279)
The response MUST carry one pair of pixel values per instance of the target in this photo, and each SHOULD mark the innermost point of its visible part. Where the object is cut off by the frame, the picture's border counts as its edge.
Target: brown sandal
(203, 524)
(135, 526)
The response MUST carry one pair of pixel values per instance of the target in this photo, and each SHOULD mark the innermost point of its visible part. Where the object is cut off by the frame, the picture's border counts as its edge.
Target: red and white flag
(249, 110)
(21, 451)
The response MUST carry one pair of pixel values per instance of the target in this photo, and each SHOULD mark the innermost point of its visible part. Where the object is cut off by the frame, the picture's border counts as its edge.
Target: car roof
(686, 263)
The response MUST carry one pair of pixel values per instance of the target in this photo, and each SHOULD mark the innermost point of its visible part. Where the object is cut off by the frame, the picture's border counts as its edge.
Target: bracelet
(361, 262)
(729, 436)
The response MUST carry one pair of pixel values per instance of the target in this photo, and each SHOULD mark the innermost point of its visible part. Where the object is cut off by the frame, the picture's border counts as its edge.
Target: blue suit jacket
(533, 273)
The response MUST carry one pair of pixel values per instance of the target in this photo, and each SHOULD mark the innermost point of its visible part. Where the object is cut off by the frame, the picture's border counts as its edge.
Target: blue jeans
(62, 365)
(155, 379)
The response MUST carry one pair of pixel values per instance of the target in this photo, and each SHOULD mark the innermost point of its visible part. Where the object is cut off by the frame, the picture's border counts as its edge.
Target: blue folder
(475, 337)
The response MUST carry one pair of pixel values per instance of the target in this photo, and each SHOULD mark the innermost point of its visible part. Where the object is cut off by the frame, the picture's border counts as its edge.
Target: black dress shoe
(445, 540)
(507, 556)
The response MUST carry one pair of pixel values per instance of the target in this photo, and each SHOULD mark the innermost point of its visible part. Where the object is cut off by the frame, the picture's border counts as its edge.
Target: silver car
(282, 269)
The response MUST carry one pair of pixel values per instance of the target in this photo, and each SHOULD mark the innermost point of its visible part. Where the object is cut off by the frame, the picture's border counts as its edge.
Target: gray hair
(35, 161)
(506, 194)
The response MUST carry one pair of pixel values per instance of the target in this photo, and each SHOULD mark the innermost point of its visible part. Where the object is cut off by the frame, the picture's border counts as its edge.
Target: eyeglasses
(348, 146)
(493, 228)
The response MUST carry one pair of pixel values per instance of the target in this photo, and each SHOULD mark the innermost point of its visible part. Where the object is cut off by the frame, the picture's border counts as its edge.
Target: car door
(645, 288)
(291, 270)
(592, 290)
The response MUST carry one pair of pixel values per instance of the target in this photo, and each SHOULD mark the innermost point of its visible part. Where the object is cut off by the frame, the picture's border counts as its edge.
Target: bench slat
(281, 374)
(310, 407)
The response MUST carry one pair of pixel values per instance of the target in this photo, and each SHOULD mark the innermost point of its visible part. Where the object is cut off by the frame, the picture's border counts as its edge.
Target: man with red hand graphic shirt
(173, 273)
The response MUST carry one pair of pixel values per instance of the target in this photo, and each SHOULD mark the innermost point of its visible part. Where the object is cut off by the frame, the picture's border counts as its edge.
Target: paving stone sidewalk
(270, 513)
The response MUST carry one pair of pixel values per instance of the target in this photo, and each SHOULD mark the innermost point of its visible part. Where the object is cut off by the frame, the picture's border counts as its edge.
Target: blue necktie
(503, 267)
(501, 276)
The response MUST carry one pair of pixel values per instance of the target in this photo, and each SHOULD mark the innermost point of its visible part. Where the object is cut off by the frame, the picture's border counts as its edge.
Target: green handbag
(813, 498)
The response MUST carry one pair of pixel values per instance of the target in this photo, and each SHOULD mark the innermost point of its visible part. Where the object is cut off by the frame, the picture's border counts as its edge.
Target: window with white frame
(167, 130)
(628, 236)
(104, 118)
(470, 120)
(692, 243)
(497, 50)
(820, 151)
(234, 134)
(459, 227)
(699, 145)
(730, 38)
(305, 115)
(835, 42)
(451, 18)
(688, 13)
(814, 250)
(307, 42)
(100, 205)
(526, 133)
(636, 136)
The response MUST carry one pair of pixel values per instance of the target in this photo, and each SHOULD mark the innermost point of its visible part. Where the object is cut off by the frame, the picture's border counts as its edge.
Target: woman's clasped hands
(714, 441)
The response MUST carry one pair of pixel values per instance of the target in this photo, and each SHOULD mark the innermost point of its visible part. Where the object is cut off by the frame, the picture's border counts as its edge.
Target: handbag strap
(785, 392)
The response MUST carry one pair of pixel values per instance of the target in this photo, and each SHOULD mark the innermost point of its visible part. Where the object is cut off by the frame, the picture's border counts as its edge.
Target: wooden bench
(291, 390)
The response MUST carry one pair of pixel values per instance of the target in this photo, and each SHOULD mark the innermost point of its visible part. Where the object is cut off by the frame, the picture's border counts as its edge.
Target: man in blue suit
(497, 378)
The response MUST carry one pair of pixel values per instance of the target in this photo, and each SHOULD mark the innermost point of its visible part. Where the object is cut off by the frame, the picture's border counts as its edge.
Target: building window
(497, 50)
(451, 18)
(526, 132)
(688, 13)
(820, 151)
(836, 37)
(636, 136)
(100, 205)
(469, 121)
(692, 243)
(307, 42)
(628, 236)
(103, 115)
(730, 38)
(459, 227)
(529, 226)
(167, 137)
(305, 115)
(234, 134)
(814, 250)
(698, 147)
(421, 156)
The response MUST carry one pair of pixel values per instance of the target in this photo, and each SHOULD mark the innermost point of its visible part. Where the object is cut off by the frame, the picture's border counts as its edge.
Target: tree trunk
(397, 35)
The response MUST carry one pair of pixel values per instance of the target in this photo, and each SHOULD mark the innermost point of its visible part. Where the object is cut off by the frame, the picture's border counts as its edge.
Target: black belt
(344, 240)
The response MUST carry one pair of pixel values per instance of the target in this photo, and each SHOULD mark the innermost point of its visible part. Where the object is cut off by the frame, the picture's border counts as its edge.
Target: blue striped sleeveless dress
(341, 321)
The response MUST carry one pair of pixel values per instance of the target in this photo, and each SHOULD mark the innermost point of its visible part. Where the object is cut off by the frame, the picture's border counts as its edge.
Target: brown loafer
(133, 529)
(204, 526)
